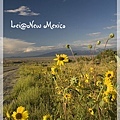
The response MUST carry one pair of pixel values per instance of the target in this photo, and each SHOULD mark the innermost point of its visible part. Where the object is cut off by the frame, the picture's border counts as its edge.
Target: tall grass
(75, 91)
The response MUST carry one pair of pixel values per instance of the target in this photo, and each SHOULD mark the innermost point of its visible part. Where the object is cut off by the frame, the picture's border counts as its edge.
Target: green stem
(98, 96)
(55, 82)
(99, 113)
(73, 54)
(106, 43)
(94, 49)
(99, 93)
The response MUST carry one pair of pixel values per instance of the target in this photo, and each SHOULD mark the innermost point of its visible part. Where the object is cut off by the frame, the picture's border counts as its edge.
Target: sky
(83, 21)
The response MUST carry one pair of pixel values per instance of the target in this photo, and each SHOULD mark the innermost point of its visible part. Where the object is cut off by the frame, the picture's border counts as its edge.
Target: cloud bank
(84, 44)
(23, 10)
(94, 34)
(111, 27)
(14, 46)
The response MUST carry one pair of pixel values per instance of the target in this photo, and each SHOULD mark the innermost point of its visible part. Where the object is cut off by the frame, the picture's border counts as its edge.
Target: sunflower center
(48, 118)
(18, 116)
(90, 111)
(109, 75)
(61, 58)
(66, 96)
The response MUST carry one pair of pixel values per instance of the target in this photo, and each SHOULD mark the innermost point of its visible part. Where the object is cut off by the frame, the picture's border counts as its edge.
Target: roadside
(9, 78)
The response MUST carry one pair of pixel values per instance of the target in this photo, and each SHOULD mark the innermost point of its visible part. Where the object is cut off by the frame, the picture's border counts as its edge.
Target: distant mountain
(67, 52)
(51, 53)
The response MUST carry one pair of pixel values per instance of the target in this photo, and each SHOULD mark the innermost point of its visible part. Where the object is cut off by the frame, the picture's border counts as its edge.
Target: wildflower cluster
(110, 92)
(64, 90)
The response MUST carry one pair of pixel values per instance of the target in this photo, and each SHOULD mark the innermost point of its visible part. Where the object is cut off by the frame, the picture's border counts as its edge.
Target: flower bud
(98, 42)
(111, 35)
(67, 46)
(90, 46)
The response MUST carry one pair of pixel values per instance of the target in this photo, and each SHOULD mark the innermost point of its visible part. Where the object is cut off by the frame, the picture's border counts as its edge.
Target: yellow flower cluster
(110, 93)
(86, 76)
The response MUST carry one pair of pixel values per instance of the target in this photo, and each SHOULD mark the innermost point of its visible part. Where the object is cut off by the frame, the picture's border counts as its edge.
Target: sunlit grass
(65, 90)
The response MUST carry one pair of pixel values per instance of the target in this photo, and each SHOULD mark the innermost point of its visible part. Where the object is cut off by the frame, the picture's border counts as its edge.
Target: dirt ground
(9, 78)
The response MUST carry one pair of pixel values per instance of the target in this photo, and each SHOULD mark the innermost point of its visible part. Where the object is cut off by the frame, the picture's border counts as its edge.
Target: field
(61, 87)
(12, 65)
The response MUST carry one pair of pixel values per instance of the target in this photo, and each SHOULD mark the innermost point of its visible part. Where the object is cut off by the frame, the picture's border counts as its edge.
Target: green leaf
(101, 103)
(112, 114)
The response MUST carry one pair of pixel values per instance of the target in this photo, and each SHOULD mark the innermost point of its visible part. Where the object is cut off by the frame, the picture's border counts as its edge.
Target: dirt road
(9, 78)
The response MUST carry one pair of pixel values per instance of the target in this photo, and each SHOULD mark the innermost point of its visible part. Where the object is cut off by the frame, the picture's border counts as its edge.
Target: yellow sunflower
(108, 84)
(109, 96)
(91, 111)
(86, 76)
(47, 117)
(61, 59)
(110, 92)
(67, 96)
(105, 99)
(109, 74)
(114, 95)
(54, 70)
(20, 114)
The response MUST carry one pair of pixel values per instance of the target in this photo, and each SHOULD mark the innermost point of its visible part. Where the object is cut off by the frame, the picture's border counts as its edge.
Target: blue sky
(86, 21)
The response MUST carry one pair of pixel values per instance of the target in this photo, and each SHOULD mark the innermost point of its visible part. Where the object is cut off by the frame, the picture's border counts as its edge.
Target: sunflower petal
(14, 115)
(20, 109)
(25, 115)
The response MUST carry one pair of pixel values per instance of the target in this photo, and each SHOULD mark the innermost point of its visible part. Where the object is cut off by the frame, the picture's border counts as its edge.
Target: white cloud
(22, 10)
(14, 46)
(114, 20)
(94, 34)
(85, 43)
(41, 48)
(17, 46)
(110, 27)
